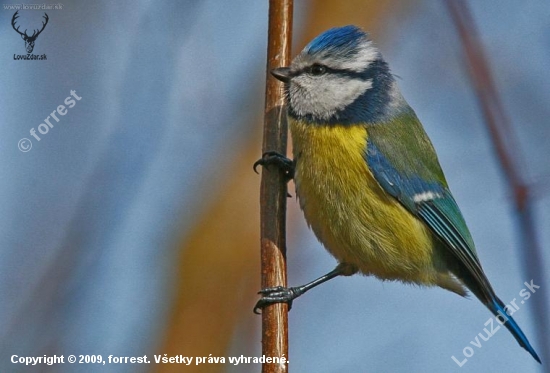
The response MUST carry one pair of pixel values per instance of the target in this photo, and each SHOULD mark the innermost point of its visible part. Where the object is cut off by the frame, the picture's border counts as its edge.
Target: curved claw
(259, 162)
(277, 294)
(275, 158)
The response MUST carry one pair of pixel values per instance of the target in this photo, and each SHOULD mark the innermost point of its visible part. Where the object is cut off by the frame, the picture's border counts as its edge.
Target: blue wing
(429, 199)
(433, 203)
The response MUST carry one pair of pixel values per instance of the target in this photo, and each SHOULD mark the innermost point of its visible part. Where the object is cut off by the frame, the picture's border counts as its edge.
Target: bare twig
(273, 188)
(509, 155)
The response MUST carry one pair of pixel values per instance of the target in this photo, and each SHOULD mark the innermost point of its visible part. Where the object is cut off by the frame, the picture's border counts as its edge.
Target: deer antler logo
(29, 40)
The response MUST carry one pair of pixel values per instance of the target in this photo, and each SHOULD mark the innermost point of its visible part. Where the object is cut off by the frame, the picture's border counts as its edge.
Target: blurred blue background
(119, 229)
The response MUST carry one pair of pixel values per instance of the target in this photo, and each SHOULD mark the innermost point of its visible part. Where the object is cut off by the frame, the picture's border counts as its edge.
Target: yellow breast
(348, 210)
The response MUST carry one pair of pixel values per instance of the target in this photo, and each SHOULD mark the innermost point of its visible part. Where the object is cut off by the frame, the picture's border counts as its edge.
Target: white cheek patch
(323, 96)
(425, 196)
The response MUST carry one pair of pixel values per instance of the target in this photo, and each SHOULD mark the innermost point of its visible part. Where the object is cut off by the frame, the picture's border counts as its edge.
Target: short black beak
(281, 73)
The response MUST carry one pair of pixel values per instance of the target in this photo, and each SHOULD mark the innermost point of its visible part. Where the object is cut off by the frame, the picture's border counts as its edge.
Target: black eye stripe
(329, 70)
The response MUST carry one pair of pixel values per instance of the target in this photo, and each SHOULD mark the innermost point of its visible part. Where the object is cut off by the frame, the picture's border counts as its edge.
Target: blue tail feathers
(497, 308)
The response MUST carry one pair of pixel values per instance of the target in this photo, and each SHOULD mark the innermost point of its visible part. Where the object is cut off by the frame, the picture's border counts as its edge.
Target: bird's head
(339, 77)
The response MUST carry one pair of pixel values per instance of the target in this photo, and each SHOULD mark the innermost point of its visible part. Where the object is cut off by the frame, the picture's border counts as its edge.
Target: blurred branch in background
(367, 14)
(510, 157)
(217, 274)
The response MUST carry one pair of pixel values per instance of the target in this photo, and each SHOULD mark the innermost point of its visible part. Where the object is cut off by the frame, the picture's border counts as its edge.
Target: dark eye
(318, 69)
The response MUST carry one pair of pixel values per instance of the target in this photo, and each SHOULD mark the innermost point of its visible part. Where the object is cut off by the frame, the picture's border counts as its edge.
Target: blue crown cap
(341, 39)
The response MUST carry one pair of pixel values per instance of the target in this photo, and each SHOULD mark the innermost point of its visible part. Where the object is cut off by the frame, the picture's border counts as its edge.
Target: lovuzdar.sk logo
(29, 39)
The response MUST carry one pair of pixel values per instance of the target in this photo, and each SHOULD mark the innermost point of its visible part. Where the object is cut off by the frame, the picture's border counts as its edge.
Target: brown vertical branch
(509, 156)
(273, 188)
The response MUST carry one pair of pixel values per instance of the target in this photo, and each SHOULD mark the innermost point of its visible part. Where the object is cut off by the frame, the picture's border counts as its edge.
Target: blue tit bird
(368, 179)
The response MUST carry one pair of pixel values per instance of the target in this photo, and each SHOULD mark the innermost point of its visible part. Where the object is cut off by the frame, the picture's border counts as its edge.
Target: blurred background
(132, 226)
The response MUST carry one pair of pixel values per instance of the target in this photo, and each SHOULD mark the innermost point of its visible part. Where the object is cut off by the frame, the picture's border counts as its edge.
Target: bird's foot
(277, 294)
(275, 158)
